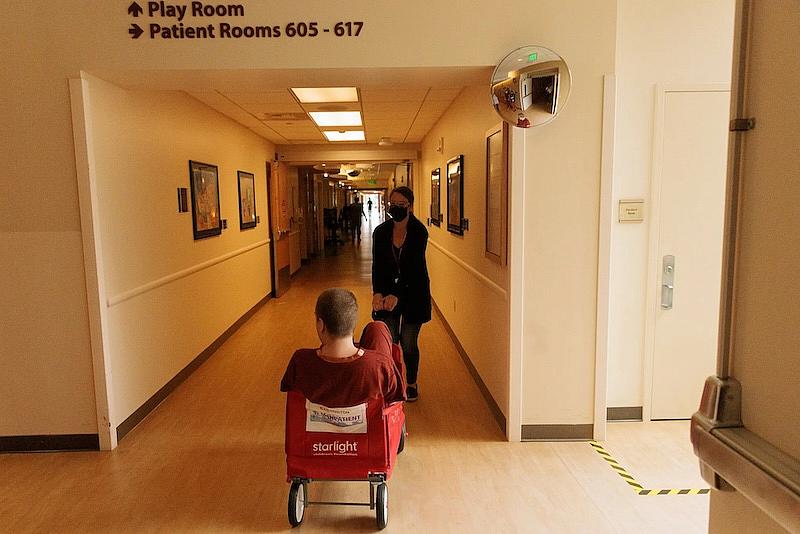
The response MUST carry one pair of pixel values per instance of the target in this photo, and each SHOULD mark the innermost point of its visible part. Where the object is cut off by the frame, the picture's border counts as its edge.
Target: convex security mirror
(530, 86)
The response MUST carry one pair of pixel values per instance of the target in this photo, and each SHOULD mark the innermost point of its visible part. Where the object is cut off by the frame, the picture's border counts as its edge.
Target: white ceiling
(403, 115)
(401, 104)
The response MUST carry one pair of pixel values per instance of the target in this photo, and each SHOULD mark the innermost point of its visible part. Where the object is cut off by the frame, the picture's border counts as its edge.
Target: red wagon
(357, 443)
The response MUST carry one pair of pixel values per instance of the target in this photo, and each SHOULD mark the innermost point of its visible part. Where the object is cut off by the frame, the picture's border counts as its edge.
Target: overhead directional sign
(191, 20)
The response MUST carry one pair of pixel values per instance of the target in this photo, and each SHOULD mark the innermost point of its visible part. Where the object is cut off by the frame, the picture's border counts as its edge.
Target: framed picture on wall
(204, 181)
(497, 193)
(247, 200)
(455, 195)
(436, 207)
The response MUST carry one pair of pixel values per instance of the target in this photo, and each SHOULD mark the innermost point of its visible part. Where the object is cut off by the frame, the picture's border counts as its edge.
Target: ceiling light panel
(352, 135)
(325, 94)
(336, 118)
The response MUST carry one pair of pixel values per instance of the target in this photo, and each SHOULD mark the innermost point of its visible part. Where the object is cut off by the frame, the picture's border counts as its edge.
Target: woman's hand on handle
(389, 302)
(377, 302)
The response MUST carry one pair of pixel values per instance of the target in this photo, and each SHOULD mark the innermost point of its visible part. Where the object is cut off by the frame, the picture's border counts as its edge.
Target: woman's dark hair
(338, 310)
(405, 191)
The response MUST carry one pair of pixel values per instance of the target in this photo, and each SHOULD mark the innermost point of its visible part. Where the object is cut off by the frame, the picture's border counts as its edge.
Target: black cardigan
(414, 286)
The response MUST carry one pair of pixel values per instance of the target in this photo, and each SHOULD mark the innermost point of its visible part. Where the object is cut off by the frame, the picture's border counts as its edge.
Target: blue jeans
(406, 334)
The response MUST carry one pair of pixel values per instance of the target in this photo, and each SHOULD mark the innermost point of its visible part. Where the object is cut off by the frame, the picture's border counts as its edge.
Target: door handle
(667, 281)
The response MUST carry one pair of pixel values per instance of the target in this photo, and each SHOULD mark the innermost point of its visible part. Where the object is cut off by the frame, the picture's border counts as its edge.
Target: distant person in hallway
(339, 374)
(369, 205)
(400, 284)
(356, 212)
(344, 218)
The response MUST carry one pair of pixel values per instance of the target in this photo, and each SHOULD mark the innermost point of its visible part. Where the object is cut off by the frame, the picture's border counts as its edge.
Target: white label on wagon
(348, 420)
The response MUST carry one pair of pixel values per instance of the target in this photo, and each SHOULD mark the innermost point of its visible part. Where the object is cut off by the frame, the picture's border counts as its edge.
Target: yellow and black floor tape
(638, 488)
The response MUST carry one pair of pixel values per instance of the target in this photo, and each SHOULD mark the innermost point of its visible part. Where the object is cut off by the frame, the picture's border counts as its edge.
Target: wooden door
(279, 227)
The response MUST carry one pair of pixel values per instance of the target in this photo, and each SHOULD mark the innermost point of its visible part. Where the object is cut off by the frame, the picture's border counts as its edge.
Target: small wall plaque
(631, 211)
(183, 203)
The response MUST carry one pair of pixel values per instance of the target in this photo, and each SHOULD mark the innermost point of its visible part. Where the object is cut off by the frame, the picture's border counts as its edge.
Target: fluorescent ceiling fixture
(336, 118)
(314, 95)
(352, 135)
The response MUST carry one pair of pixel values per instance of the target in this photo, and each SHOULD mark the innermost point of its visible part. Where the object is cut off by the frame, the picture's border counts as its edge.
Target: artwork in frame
(247, 200)
(436, 208)
(497, 193)
(455, 195)
(204, 180)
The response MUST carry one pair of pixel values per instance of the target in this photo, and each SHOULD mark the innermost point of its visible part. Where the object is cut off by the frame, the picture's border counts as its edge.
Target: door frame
(653, 258)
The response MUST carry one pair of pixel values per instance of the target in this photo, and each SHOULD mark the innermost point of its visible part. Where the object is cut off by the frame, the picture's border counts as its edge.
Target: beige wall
(45, 45)
(470, 290)
(142, 143)
(46, 381)
(677, 42)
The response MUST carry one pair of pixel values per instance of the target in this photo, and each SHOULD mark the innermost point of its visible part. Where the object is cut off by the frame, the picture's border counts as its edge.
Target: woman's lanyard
(397, 254)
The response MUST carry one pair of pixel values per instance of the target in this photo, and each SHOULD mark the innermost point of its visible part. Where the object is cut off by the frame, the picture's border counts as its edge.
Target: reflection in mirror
(530, 86)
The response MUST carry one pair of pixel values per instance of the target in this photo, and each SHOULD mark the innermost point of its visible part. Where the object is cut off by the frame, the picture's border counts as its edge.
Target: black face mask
(398, 213)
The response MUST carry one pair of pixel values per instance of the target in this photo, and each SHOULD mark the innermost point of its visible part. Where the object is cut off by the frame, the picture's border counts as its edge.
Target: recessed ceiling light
(352, 135)
(336, 118)
(313, 95)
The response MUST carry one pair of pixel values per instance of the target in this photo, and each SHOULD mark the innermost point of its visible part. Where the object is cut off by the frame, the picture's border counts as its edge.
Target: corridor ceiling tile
(304, 136)
(259, 108)
(306, 141)
(428, 116)
(391, 115)
(261, 97)
(395, 135)
(438, 107)
(268, 133)
(371, 95)
(373, 107)
(415, 130)
(388, 125)
(443, 95)
(282, 127)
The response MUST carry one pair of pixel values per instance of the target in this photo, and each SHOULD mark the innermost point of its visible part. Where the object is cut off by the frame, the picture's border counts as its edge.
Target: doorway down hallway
(210, 457)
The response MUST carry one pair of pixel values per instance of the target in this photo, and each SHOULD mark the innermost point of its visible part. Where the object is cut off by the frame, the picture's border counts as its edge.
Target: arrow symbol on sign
(135, 31)
(135, 9)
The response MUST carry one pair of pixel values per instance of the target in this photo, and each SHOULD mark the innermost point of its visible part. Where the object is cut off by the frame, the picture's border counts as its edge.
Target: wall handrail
(144, 288)
(470, 269)
(733, 458)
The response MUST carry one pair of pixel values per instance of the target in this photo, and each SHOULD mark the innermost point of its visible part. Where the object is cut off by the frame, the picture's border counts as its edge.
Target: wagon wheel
(297, 503)
(382, 505)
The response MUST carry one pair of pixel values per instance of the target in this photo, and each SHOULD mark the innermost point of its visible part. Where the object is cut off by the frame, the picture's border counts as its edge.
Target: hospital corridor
(210, 457)
(583, 212)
